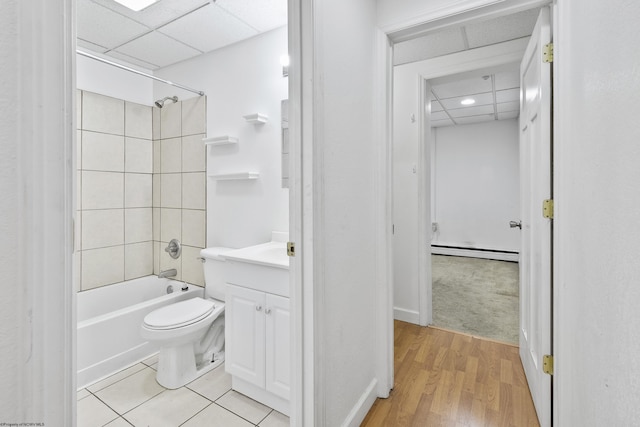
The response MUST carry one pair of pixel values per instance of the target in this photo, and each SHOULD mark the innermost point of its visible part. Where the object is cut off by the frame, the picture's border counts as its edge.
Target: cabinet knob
(267, 311)
(258, 307)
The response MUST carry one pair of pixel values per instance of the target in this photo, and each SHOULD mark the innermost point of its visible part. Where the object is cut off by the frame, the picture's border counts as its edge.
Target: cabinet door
(277, 345)
(244, 334)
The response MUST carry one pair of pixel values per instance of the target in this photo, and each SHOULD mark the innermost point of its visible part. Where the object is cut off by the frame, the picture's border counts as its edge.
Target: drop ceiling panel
(471, 111)
(104, 27)
(507, 79)
(91, 46)
(462, 87)
(509, 115)
(481, 99)
(263, 15)
(196, 29)
(435, 106)
(508, 106)
(508, 95)
(156, 48)
(474, 119)
(501, 29)
(439, 115)
(440, 123)
(157, 14)
(430, 46)
(131, 60)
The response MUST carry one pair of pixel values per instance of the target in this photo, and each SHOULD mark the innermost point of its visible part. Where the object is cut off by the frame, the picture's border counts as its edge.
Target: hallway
(444, 378)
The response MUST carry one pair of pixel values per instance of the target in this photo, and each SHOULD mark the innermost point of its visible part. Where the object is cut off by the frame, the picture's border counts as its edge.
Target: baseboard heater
(475, 253)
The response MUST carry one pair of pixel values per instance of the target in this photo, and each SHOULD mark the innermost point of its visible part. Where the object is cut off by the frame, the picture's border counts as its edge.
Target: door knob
(514, 224)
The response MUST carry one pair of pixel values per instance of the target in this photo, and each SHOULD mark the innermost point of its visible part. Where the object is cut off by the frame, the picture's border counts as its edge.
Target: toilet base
(177, 366)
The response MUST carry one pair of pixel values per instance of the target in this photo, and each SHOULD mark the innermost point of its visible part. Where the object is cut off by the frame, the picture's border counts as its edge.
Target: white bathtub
(109, 320)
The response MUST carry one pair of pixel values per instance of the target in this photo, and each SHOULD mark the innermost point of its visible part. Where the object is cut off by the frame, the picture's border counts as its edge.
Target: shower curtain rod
(115, 64)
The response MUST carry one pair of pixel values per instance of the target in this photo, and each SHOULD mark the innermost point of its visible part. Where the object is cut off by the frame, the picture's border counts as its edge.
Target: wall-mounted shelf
(256, 118)
(220, 140)
(236, 175)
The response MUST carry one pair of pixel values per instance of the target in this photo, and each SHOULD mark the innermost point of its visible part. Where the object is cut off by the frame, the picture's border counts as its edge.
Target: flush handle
(514, 224)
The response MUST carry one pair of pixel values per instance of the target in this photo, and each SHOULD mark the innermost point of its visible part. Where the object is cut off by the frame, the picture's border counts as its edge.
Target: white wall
(241, 79)
(476, 185)
(597, 226)
(344, 208)
(97, 77)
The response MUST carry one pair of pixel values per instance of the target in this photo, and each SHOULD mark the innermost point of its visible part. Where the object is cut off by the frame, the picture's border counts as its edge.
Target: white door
(244, 321)
(278, 348)
(535, 251)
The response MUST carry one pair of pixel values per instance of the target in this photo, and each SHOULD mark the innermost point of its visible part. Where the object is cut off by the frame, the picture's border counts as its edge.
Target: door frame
(418, 74)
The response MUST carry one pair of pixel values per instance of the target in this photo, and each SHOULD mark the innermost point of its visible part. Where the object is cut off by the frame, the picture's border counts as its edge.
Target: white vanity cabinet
(257, 323)
(257, 350)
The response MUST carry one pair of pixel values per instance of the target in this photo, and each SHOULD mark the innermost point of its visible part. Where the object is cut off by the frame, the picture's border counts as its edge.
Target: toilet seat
(179, 314)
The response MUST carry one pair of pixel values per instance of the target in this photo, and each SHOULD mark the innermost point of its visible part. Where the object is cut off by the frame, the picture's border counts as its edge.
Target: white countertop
(271, 254)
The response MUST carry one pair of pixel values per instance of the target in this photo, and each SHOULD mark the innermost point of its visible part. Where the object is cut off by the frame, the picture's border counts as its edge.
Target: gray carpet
(476, 296)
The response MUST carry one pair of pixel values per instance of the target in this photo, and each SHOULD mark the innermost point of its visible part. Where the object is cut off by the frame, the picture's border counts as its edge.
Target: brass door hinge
(291, 249)
(547, 208)
(547, 364)
(547, 53)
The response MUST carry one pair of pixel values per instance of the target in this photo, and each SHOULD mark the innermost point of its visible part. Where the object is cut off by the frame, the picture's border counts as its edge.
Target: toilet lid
(179, 314)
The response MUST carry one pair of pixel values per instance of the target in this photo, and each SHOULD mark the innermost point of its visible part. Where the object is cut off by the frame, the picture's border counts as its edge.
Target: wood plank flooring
(444, 378)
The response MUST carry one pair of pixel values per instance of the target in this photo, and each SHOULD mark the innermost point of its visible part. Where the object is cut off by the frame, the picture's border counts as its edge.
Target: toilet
(190, 333)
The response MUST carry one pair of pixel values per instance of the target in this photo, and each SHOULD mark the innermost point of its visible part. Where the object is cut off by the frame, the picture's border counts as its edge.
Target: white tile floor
(133, 397)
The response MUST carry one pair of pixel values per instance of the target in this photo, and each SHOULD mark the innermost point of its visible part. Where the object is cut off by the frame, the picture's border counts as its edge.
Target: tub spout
(167, 273)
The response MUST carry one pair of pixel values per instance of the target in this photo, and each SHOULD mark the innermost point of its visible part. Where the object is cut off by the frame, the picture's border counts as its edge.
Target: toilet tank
(213, 269)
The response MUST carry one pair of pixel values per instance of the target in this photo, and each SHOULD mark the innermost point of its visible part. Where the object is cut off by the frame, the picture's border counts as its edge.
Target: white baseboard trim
(404, 315)
(361, 408)
(473, 253)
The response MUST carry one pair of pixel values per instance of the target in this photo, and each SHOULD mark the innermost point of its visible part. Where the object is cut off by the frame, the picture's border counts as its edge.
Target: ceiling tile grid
(491, 103)
(195, 29)
(171, 31)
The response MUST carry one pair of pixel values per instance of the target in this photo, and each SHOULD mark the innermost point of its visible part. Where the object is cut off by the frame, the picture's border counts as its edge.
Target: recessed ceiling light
(136, 5)
(468, 101)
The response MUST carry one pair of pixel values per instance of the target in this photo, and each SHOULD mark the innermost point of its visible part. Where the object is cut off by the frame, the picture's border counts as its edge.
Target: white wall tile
(102, 267)
(170, 120)
(193, 153)
(156, 190)
(77, 232)
(138, 190)
(138, 121)
(192, 270)
(78, 190)
(138, 260)
(78, 149)
(170, 224)
(156, 156)
(170, 155)
(193, 116)
(193, 190)
(102, 190)
(167, 263)
(156, 123)
(78, 109)
(104, 227)
(138, 155)
(156, 224)
(102, 113)
(138, 225)
(171, 190)
(102, 152)
(156, 257)
(193, 227)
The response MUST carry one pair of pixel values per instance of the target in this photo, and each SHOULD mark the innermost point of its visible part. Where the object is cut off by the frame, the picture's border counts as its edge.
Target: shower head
(160, 102)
